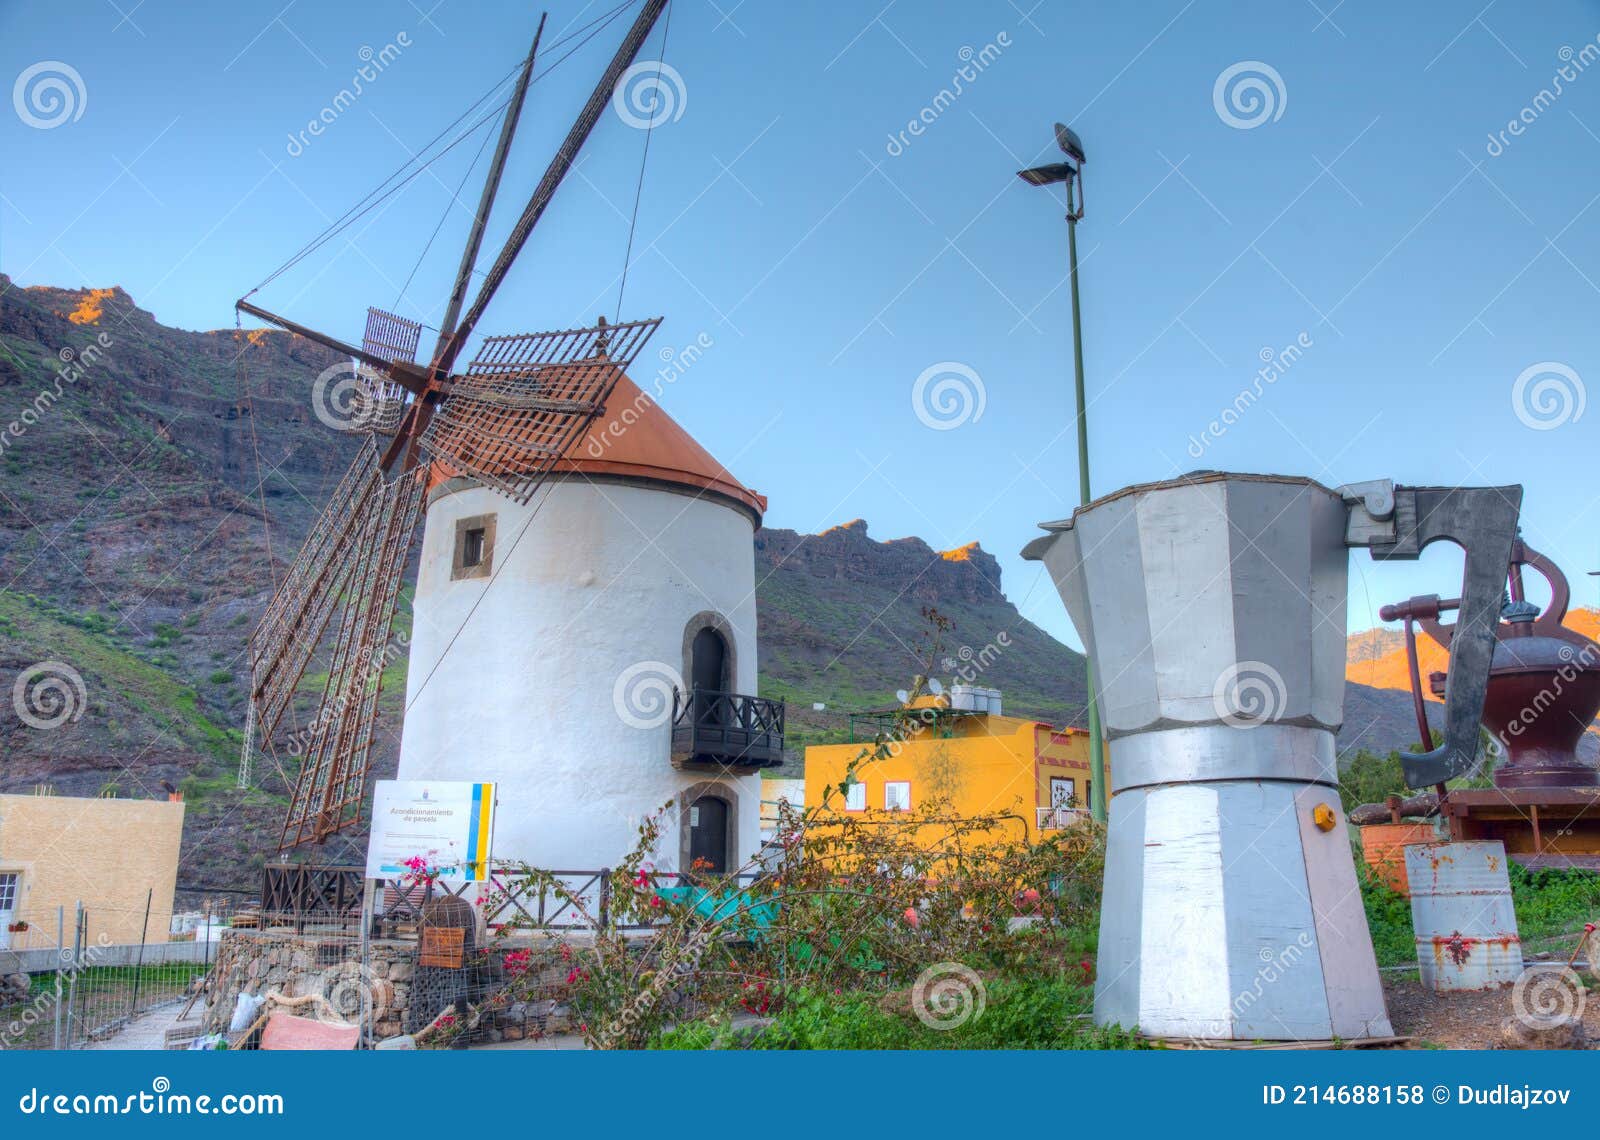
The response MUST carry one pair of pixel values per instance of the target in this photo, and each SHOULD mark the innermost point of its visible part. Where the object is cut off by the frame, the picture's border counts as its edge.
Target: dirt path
(147, 1031)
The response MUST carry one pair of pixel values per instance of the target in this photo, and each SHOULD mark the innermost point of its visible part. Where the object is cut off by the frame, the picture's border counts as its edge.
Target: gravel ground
(1461, 1020)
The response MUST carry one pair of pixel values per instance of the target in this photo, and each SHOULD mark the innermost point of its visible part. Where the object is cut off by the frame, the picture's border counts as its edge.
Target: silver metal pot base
(1230, 914)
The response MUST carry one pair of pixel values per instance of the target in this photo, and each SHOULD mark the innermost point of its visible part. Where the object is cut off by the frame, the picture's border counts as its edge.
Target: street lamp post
(1071, 174)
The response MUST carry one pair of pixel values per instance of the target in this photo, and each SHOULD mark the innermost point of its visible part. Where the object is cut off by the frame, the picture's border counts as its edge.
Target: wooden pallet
(1274, 1046)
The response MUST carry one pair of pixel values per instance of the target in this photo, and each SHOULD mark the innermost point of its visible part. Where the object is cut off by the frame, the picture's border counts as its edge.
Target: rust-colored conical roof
(634, 438)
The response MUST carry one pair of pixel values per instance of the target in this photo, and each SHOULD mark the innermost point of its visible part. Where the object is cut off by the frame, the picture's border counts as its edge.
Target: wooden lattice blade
(527, 399)
(336, 747)
(299, 613)
(381, 401)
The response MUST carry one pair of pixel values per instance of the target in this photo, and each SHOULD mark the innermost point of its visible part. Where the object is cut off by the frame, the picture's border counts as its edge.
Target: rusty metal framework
(337, 744)
(392, 338)
(506, 420)
(526, 399)
(299, 613)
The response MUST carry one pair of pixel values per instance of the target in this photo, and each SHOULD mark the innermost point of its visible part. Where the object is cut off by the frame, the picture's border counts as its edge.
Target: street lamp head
(1069, 142)
(1048, 175)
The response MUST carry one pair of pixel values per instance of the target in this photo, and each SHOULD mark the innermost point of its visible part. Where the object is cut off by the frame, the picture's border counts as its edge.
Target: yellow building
(111, 855)
(981, 763)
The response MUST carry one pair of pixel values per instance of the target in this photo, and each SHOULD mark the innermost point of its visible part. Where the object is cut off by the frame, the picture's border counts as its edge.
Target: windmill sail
(506, 421)
(526, 399)
(336, 747)
(382, 402)
(299, 613)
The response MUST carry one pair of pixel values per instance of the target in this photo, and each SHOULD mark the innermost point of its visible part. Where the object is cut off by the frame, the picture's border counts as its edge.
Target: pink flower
(913, 919)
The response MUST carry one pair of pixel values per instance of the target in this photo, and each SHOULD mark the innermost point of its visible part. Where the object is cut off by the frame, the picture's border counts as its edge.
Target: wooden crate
(442, 946)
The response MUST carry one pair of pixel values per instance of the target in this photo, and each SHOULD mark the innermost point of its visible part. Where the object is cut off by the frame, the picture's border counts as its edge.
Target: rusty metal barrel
(1461, 910)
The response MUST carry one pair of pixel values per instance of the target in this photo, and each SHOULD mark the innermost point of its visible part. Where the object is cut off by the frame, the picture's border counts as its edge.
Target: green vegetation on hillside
(113, 673)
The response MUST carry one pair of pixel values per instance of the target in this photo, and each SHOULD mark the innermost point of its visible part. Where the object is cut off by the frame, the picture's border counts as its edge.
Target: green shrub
(1388, 918)
(1551, 903)
(1017, 1014)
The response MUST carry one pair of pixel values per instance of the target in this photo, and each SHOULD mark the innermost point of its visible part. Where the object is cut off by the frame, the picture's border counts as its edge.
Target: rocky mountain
(155, 483)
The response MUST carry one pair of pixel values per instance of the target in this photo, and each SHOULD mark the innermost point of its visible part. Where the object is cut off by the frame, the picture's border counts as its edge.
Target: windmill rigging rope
(592, 28)
(644, 158)
(373, 198)
(538, 506)
(444, 217)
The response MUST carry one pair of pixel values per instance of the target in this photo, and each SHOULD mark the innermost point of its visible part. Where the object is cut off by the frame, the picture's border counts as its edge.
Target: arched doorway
(708, 655)
(708, 660)
(708, 827)
(708, 835)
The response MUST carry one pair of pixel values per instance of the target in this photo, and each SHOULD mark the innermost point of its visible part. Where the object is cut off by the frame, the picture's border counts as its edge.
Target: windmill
(505, 420)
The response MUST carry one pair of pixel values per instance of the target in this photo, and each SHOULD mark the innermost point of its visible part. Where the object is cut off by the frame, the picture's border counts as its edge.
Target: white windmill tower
(593, 651)
(584, 725)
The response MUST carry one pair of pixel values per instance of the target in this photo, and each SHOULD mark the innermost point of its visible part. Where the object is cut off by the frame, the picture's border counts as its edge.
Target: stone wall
(294, 965)
(404, 995)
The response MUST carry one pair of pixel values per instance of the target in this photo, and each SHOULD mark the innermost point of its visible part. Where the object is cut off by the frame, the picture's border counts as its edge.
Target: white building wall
(591, 582)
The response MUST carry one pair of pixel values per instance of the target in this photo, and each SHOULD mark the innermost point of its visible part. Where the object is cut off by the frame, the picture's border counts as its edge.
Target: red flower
(913, 919)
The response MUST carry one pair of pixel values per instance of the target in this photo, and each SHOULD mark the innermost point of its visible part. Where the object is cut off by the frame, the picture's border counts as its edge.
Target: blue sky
(831, 265)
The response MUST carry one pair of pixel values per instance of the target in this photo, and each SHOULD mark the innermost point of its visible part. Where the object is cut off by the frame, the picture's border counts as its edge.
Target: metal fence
(65, 986)
(326, 898)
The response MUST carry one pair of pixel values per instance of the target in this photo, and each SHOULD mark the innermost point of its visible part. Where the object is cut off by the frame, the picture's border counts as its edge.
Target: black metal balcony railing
(726, 730)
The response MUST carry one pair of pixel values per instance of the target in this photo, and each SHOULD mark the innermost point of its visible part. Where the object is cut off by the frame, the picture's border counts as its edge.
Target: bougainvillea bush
(924, 905)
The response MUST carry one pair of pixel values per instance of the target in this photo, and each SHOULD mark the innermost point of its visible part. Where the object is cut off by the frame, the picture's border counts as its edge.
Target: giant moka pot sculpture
(1213, 607)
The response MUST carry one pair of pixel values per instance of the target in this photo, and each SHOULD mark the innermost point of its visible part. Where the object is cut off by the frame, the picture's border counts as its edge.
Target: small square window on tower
(474, 549)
